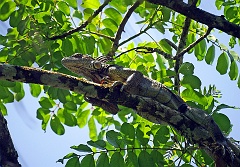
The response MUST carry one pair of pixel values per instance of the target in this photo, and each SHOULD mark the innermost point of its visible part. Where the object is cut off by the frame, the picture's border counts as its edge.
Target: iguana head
(85, 66)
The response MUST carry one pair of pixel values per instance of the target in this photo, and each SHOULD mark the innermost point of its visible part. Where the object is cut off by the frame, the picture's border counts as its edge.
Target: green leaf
(140, 136)
(77, 14)
(3, 109)
(92, 129)
(64, 7)
(159, 26)
(114, 14)
(88, 161)
(56, 125)
(191, 81)
(101, 144)
(16, 17)
(162, 136)
(222, 63)
(186, 68)
(46, 102)
(117, 160)
(60, 17)
(113, 138)
(89, 44)
(207, 159)
(144, 159)
(67, 46)
(92, 4)
(82, 148)
(63, 95)
(219, 3)
(70, 155)
(210, 55)
(72, 3)
(70, 105)
(116, 4)
(73, 162)
(132, 159)
(19, 95)
(192, 95)
(103, 161)
(104, 45)
(66, 118)
(6, 9)
(165, 46)
(82, 118)
(35, 90)
(4, 51)
(43, 17)
(224, 106)
(44, 115)
(233, 73)
(157, 158)
(166, 14)
(111, 24)
(4, 92)
(223, 122)
(128, 130)
(200, 50)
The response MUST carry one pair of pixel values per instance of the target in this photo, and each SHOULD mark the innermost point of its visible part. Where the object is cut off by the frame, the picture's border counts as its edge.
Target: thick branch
(8, 154)
(199, 15)
(43, 77)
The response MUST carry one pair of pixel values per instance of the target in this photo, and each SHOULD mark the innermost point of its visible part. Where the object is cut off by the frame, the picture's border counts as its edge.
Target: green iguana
(133, 81)
(136, 83)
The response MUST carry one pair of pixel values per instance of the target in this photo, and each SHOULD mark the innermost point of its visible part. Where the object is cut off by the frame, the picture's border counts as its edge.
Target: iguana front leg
(132, 83)
(136, 83)
(105, 105)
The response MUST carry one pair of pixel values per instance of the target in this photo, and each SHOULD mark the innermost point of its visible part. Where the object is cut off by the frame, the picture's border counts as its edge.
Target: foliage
(134, 141)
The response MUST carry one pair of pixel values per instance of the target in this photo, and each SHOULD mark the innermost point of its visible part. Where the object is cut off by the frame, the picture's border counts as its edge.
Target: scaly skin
(133, 81)
(136, 83)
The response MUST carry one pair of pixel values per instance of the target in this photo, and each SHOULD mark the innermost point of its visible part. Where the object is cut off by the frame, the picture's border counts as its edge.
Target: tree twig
(192, 44)
(115, 44)
(89, 20)
(149, 50)
(99, 34)
(179, 61)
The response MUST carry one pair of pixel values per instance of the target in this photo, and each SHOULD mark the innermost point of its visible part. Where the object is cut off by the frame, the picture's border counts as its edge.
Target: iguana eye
(97, 64)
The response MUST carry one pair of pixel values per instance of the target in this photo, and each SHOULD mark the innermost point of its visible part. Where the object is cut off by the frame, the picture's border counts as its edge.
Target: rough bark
(8, 154)
(199, 15)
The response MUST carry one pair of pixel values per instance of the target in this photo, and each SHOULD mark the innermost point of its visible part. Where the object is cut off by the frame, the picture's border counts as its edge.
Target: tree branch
(8, 154)
(179, 61)
(199, 15)
(121, 27)
(193, 44)
(149, 50)
(89, 20)
(198, 127)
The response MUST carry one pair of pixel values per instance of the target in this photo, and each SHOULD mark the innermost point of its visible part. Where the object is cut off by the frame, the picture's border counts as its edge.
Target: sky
(38, 148)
